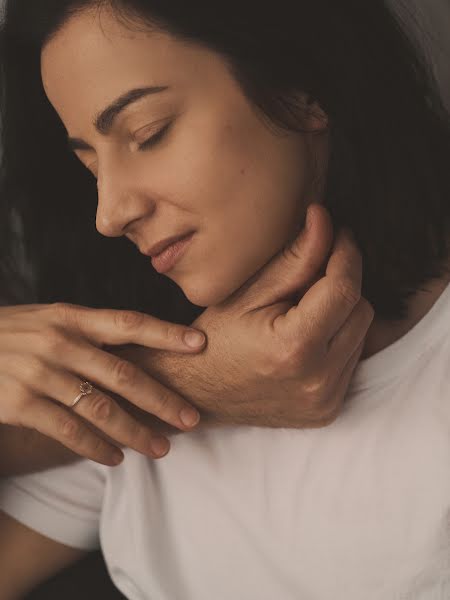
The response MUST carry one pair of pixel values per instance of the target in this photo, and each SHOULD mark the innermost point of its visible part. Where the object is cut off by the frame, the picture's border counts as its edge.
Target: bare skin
(244, 189)
(260, 340)
(230, 167)
(220, 170)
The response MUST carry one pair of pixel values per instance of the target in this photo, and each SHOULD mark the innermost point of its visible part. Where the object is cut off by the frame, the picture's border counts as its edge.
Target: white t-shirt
(358, 510)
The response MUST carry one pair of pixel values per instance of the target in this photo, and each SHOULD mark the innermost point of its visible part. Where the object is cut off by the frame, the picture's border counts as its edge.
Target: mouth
(165, 243)
(171, 254)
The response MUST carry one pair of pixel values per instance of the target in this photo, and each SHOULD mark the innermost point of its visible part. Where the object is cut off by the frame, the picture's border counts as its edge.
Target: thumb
(297, 266)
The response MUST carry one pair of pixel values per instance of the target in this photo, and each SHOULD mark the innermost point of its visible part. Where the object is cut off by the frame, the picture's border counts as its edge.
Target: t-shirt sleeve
(62, 503)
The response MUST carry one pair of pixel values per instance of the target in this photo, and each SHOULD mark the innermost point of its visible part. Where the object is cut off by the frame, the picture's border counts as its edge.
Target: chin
(204, 297)
(205, 293)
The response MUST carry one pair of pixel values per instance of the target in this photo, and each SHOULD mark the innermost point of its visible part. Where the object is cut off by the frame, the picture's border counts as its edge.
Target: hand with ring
(85, 390)
(56, 377)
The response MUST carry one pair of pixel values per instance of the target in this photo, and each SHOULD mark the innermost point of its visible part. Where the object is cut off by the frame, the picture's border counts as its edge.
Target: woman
(43, 359)
(318, 513)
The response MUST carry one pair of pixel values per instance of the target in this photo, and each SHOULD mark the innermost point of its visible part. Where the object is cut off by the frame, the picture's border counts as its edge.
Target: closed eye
(154, 139)
(149, 143)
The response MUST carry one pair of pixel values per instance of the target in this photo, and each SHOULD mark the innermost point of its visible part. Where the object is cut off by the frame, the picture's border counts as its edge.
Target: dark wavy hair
(388, 177)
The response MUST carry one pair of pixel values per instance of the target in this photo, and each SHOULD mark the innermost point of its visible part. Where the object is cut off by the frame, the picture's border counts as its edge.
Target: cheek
(258, 205)
(241, 233)
(249, 200)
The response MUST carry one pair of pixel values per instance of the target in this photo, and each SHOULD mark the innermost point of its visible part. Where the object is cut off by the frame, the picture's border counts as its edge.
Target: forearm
(189, 375)
(28, 558)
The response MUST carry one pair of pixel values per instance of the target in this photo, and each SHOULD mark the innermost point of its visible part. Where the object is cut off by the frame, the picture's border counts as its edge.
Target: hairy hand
(282, 349)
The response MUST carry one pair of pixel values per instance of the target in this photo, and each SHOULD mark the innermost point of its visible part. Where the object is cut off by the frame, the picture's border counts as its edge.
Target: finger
(352, 332)
(12, 317)
(18, 308)
(108, 326)
(295, 266)
(127, 380)
(104, 413)
(104, 371)
(328, 303)
(335, 404)
(343, 385)
(67, 428)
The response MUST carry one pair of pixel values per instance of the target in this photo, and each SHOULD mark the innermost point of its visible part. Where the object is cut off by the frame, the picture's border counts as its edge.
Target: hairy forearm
(190, 376)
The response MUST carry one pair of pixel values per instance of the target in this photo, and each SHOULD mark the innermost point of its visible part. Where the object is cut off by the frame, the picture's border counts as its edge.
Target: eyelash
(154, 139)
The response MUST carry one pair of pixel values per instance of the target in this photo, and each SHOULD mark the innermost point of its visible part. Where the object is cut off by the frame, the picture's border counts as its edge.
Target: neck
(383, 333)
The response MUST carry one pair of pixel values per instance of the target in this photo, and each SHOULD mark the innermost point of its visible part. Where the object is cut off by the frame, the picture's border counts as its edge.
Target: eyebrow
(104, 121)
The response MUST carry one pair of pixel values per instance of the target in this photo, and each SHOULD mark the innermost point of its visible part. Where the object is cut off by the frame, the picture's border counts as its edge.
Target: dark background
(87, 579)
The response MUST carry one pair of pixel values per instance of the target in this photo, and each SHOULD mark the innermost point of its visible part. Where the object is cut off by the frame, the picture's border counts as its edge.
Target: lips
(168, 258)
(160, 246)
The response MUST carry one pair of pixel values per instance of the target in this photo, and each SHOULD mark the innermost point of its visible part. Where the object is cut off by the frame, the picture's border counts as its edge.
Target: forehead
(94, 58)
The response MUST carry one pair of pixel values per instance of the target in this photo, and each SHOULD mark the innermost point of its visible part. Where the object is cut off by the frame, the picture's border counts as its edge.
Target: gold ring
(85, 389)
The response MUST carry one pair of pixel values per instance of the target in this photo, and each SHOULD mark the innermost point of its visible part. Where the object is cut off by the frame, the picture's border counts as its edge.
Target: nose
(121, 201)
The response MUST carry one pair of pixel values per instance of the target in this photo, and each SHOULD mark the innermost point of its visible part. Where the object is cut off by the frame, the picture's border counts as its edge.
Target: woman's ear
(317, 119)
(312, 116)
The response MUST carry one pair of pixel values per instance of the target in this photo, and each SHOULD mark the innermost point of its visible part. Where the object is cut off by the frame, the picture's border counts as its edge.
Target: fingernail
(160, 445)
(189, 417)
(117, 457)
(194, 339)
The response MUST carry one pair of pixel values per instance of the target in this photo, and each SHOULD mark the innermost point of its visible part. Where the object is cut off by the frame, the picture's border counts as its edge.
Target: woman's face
(218, 170)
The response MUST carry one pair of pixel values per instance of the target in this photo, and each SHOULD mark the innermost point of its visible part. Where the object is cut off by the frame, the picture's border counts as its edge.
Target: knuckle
(270, 364)
(22, 396)
(53, 341)
(368, 308)
(35, 370)
(287, 360)
(100, 407)
(165, 402)
(348, 291)
(129, 319)
(62, 310)
(12, 413)
(314, 390)
(292, 252)
(329, 408)
(277, 359)
(123, 372)
(70, 429)
(24, 403)
(266, 368)
(173, 333)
